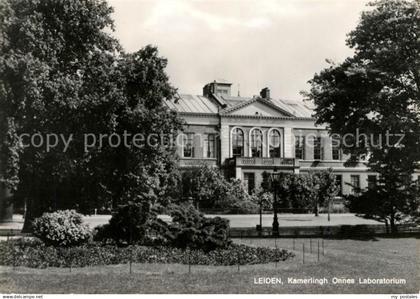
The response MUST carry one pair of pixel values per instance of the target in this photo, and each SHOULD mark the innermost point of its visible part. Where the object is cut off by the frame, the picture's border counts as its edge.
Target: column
(198, 145)
(309, 147)
(327, 145)
(288, 143)
(224, 143)
(238, 173)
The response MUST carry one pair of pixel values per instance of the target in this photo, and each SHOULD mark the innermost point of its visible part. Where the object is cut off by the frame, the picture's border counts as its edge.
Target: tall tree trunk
(34, 210)
(35, 204)
(6, 204)
(386, 225)
(392, 224)
(316, 209)
(329, 210)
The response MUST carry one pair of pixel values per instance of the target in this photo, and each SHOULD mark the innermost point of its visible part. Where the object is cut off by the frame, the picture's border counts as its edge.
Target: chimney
(265, 93)
(219, 88)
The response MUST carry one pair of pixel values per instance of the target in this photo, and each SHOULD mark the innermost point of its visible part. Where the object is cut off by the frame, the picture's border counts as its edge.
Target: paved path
(288, 220)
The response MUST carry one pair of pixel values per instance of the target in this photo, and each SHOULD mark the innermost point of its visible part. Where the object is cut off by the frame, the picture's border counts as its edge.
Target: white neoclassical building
(249, 135)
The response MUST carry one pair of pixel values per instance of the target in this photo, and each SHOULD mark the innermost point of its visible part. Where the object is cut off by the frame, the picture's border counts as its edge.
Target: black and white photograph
(207, 147)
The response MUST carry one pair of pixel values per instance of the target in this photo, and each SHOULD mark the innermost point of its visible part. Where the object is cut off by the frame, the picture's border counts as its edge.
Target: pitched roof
(257, 99)
(193, 104)
(200, 104)
(298, 109)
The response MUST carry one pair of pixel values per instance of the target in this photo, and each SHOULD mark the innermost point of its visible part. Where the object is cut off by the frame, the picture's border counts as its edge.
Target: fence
(322, 231)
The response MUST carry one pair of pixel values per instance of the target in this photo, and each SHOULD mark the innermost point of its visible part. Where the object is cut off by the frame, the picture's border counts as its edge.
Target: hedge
(35, 254)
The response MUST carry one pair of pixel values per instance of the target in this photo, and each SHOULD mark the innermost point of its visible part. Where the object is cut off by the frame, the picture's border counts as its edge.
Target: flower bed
(34, 254)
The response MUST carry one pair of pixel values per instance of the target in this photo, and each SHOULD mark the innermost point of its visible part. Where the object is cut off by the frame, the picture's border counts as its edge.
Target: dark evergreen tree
(376, 92)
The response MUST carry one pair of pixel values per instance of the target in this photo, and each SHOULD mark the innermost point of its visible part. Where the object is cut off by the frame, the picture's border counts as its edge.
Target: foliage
(303, 191)
(300, 192)
(241, 207)
(62, 72)
(205, 185)
(128, 224)
(61, 229)
(212, 191)
(236, 200)
(190, 229)
(327, 188)
(138, 224)
(263, 198)
(376, 92)
(370, 203)
(37, 255)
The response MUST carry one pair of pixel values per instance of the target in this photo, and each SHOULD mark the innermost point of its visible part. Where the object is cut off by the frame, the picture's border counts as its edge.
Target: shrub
(243, 207)
(128, 225)
(264, 198)
(61, 228)
(208, 187)
(190, 229)
(236, 200)
(35, 254)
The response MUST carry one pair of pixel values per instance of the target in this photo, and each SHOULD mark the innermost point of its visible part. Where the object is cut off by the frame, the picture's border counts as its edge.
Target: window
(300, 147)
(339, 183)
(209, 146)
(249, 182)
(238, 143)
(355, 183)
(256, 143)
(336, 151)
(275, 144)
(317, 148)
(371, 181)
(188, 145)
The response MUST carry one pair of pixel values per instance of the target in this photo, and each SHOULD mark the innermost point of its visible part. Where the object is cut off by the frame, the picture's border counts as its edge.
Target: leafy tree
(205, 185)
(302, 191)
(327, 189)
(376, 92)
(237, 200)
(62, 72)
(209, 189)
(370, 203)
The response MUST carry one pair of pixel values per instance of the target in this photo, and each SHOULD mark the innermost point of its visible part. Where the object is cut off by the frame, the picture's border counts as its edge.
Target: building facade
(249, 135)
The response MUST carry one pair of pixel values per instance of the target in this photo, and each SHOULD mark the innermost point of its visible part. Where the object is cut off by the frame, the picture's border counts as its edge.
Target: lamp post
(274, 183)
(259, 226)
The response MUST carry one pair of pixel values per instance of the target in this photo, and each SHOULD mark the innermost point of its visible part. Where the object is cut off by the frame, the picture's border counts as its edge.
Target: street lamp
(274, 178)
(259, 226)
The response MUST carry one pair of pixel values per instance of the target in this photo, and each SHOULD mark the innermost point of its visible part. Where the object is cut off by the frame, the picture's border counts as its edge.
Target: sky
(253, 44)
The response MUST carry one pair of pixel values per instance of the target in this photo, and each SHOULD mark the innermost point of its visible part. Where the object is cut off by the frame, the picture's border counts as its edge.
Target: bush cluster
(188, 228)
(128, 225)
(61, 228)
(209, 188)
(35, 254)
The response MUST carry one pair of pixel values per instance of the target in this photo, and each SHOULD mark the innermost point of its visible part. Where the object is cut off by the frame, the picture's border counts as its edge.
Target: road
(288, 220)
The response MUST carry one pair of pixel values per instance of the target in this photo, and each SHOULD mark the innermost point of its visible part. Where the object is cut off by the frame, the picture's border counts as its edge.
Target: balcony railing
(193, 162)
(261, 162)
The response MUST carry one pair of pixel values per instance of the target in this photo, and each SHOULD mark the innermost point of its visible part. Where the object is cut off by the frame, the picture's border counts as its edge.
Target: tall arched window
(238, 143)
(256, 143)
(274, 143)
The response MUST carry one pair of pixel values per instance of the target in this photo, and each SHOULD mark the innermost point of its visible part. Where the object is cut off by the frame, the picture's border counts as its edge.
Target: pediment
(257, 107)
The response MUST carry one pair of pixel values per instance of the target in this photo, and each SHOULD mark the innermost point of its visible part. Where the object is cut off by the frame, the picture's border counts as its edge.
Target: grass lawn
(389, 258)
